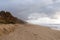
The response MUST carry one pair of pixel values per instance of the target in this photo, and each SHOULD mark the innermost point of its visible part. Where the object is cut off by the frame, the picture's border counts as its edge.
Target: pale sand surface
(28, 32)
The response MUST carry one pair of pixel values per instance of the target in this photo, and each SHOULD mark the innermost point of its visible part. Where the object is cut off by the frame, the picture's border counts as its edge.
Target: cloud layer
(36, 18)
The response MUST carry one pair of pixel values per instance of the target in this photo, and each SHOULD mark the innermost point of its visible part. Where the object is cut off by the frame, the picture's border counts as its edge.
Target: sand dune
(30, 32)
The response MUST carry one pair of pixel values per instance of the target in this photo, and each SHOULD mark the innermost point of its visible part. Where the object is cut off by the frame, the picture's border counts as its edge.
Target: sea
(52, 26)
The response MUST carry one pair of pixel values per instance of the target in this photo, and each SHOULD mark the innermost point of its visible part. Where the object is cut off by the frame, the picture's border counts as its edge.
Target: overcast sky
(49, 9)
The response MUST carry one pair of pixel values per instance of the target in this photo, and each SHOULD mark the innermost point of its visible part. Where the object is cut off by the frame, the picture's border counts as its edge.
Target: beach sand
(27, 32)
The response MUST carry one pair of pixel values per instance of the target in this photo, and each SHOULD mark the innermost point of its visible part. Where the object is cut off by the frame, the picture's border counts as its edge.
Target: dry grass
(6, 28)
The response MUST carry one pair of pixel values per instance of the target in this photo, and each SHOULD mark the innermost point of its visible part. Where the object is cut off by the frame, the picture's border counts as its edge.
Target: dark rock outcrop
(8, 18)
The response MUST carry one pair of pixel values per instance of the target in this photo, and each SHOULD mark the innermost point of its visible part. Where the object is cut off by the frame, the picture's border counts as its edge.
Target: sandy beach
(29, 32)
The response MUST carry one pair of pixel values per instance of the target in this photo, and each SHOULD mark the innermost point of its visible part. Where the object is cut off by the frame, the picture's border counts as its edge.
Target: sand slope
(31, 32)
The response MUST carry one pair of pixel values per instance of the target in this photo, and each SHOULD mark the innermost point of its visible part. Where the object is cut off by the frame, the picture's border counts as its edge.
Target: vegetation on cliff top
(8, 18)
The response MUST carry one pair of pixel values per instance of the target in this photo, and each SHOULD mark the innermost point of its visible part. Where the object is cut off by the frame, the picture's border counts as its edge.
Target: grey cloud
(22, 8)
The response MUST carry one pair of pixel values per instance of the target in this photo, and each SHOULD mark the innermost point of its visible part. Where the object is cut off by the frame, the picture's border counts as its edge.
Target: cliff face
(7, 18)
